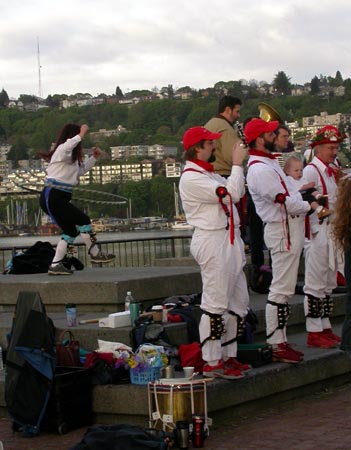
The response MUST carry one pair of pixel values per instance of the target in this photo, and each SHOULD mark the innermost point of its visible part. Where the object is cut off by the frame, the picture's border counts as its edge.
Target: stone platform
(99, 291)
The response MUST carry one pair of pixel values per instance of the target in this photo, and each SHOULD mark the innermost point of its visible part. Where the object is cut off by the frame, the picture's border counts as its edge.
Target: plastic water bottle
(134, 309)
(1, 360)
(128, 300)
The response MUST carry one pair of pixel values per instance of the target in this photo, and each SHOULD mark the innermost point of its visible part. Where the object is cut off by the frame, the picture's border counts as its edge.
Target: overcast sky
(95, 45)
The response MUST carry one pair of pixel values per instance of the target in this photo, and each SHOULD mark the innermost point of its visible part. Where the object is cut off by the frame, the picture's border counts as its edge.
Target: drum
(170, 403)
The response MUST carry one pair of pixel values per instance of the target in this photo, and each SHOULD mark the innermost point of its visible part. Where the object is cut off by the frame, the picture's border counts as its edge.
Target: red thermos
(198, 435)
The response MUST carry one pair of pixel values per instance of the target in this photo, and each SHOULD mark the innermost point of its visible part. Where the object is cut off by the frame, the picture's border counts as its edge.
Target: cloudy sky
(95, 45)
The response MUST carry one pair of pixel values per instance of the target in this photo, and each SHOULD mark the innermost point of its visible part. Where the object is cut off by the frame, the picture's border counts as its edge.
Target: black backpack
(260, 281)
(123, 437)
(35, 259)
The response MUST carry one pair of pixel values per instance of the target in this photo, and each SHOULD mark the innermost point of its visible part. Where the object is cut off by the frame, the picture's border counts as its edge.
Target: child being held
(293, 169)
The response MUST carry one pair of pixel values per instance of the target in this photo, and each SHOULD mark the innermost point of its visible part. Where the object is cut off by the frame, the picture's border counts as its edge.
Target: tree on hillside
(2, 134)
(315, 85)
(26, 99)
(18, 151)
(281, 83)
(4, 98)
(161, 196)
(337, 81)
(170, 91)
(119, 93)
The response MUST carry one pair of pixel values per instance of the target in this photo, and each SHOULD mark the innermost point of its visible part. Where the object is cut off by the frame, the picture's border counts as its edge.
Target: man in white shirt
(321, 266)
(208, 201)
(282, 211)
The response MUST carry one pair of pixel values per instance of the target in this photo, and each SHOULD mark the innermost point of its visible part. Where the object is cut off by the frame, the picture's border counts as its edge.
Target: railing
(138, 252)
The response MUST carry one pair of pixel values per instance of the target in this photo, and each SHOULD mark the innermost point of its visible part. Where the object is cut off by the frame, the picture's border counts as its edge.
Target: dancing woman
(65, 167)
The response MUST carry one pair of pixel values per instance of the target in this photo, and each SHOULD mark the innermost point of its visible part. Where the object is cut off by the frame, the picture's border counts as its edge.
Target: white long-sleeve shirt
(310, 173)
(200, 201)
(62, 169)
(264, 183)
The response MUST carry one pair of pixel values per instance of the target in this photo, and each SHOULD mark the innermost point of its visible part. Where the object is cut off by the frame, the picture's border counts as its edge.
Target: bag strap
(62, 334)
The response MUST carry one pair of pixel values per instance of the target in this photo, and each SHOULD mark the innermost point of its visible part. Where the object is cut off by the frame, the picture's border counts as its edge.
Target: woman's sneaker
(102, 257)
(59, 269)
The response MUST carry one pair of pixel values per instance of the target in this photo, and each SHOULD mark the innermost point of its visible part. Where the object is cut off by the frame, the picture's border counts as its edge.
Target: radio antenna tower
(40, 91)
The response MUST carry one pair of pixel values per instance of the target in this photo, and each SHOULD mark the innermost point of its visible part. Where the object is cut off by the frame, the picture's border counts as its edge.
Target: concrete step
(88, 334)
(269, 384)
(101, 289)
(273, 382)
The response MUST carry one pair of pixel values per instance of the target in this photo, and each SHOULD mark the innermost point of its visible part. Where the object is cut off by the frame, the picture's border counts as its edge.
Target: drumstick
(83, 322)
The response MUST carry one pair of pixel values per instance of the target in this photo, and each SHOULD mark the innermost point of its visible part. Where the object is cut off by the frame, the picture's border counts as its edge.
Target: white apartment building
(173, 169)
(117, 173)
(323, 119)
(144, 151)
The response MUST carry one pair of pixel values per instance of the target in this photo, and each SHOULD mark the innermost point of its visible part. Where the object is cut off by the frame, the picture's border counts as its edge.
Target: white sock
(92, 248)
(61, 250)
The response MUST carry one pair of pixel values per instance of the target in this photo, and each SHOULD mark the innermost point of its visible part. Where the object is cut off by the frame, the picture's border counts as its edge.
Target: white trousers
(285, 265)
(224, 287)
(320, 273)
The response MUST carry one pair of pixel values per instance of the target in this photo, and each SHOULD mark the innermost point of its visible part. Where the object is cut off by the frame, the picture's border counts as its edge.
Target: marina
(132, 249)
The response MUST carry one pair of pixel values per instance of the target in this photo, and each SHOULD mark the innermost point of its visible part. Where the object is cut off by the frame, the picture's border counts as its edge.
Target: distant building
(5, 168)
(324, 119)
(173, 168)
(156, 151)
(103, 133)
(118, 173)
(4, 149)
(298, 90)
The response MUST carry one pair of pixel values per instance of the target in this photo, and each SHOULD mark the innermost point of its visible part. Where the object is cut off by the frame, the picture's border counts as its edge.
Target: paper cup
(188, 371)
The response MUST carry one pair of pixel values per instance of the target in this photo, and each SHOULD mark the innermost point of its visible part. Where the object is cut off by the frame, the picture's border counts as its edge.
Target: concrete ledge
(98, 291)
(101, 289)
(168, 262)
(319, 369)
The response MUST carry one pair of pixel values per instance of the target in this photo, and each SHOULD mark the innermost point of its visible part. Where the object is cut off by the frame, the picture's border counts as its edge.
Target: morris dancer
(63, 172)
(321, 268)
(282, 210)
(208, 201)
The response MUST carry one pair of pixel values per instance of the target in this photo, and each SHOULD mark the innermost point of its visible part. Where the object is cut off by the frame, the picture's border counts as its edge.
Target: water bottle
(71, 314)
(128, 300)
(1, 360)
(134, 309)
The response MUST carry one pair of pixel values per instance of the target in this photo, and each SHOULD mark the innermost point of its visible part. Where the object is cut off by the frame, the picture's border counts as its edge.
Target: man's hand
(307, 186)
(239, 153)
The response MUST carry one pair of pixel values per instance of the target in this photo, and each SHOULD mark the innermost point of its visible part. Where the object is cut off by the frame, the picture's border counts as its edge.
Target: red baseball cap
(256, 127)
(195, 135)
(327, 135)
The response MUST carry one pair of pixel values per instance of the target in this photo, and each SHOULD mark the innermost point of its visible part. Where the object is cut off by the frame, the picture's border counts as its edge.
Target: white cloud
(94, 46)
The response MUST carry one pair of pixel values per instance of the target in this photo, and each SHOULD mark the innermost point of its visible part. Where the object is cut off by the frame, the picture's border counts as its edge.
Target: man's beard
(212, 158)
(269, 146)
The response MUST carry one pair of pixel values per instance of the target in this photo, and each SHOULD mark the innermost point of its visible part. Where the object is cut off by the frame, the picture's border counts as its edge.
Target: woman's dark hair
(68, 131)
